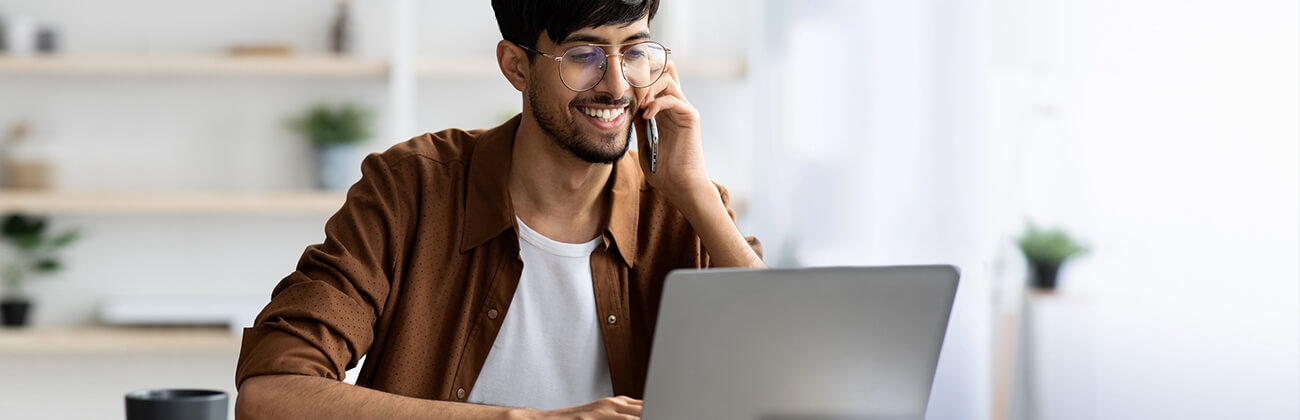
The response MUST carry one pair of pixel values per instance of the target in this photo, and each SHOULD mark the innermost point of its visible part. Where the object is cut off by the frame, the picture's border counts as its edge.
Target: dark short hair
(522, 21)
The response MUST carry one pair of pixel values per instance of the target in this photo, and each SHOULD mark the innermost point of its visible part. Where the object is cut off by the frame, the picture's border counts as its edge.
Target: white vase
(20, 36)
(336, 166)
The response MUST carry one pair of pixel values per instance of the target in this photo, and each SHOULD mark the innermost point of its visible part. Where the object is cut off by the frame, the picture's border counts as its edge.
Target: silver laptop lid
(822, 343)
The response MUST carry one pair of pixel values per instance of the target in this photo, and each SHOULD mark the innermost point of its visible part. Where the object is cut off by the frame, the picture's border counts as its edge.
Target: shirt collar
(625, 197)
(489, 210)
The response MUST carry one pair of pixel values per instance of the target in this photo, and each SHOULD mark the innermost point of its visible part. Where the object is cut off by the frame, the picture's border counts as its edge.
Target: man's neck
(554, 192)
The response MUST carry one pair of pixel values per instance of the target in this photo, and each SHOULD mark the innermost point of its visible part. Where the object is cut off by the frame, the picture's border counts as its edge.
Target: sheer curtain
(869, 152)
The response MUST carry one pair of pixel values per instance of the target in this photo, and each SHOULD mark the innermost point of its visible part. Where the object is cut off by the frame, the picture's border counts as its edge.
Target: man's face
(595, 125)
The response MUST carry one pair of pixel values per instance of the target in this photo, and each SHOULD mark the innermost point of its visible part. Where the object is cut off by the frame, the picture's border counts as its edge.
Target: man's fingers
(625, 401)
(672, 70)
(631, 410)
(625, 406)
(619, 408)
(658, 105)
(674, 84)
(668, 85)
(670, 104)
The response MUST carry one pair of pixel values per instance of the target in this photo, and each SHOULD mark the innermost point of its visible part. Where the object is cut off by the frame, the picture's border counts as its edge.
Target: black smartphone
(653, 133)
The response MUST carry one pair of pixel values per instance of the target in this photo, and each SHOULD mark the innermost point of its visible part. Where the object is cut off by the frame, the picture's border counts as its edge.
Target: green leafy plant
(1048, 247)
(35, 250)
(328, 125)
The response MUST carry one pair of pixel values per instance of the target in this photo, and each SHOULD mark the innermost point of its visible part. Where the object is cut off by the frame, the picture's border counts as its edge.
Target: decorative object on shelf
(1046, 250)
(28, 175)
(335, 132)
(35, 253)
(4, 45)
(47, 40)
(20, 35)
(22, 171)
(341, 31)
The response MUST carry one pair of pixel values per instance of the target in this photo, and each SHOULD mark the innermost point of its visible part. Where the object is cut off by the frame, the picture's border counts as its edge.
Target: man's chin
(602, 148)
(607, 139)
(604, 155)
(590, 143)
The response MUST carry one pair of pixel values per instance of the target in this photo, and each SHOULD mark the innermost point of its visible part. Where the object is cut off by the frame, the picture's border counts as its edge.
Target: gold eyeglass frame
(559, 61)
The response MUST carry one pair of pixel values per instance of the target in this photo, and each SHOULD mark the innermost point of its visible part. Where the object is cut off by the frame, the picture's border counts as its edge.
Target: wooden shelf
(98, 340)
(194, 66)
(266, 203)
(324, 67)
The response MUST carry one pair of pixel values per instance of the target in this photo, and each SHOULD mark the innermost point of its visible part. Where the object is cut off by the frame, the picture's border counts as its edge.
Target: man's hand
(680, 173)
(620, 408)
(680, 176)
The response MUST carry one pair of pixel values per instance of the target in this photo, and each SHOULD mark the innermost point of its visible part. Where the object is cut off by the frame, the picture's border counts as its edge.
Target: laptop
(842, 343)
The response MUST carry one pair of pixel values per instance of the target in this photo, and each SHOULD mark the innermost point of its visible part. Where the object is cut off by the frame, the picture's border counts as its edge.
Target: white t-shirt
(549, 353)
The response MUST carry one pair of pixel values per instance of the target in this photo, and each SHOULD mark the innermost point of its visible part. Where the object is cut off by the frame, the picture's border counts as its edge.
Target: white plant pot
(337, 167)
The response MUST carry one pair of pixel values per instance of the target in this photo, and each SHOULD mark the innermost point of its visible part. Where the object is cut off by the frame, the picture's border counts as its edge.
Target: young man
(513, 272)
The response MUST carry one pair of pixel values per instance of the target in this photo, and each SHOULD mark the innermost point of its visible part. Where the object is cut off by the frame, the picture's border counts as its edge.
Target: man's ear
(514, 64)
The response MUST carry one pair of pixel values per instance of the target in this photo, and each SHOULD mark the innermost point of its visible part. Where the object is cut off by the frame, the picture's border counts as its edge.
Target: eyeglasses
(582, 67)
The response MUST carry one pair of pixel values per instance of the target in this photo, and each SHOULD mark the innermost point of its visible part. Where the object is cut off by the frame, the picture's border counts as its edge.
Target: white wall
(1165, 133)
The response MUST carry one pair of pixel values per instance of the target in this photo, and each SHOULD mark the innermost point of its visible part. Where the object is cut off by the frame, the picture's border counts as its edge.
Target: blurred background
(182, 154)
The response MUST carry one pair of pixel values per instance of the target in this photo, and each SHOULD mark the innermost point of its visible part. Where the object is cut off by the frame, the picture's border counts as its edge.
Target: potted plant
(1046, 250)
(335, 131)
(35, 253)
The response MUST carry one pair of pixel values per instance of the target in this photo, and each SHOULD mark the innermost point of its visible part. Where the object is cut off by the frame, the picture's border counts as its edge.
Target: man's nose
(613, 82)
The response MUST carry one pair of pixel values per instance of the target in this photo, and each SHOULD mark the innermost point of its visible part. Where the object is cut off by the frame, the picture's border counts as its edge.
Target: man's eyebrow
(592, 39)
(589, 39)
(637, 36)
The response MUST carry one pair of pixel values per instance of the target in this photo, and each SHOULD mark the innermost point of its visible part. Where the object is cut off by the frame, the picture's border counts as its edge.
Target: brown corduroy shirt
(419, 266)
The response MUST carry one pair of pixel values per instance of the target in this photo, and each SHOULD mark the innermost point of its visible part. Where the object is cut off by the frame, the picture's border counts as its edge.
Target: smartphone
(652, 131)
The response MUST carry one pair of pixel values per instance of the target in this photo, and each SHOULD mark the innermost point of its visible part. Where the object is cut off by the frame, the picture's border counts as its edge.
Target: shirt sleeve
(320, 320)
(753, 241)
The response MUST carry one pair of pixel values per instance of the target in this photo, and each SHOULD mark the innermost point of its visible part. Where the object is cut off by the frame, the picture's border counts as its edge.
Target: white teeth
(606, 115)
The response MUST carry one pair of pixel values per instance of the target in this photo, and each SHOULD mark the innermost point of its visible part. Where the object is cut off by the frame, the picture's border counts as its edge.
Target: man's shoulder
(448, 146)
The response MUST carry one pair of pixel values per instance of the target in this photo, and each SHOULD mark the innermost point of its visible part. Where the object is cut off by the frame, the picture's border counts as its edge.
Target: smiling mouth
(603, 114)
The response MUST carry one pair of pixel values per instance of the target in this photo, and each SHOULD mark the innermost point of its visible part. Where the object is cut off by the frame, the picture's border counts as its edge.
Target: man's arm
(291, 397)
(712, 222)
(681, 176)
(288, 397)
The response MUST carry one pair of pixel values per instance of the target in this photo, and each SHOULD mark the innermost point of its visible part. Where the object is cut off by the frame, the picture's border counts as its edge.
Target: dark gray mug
(176, 404)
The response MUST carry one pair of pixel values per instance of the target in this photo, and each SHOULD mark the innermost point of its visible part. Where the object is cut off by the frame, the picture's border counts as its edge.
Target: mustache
(605, 100)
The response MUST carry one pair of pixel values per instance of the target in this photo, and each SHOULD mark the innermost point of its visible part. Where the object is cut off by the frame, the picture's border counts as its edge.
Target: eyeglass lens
(581, 68)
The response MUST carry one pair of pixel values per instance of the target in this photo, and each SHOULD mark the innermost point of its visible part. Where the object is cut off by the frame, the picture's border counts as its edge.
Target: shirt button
(492, 313)
(460, 394)
(611, 319)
